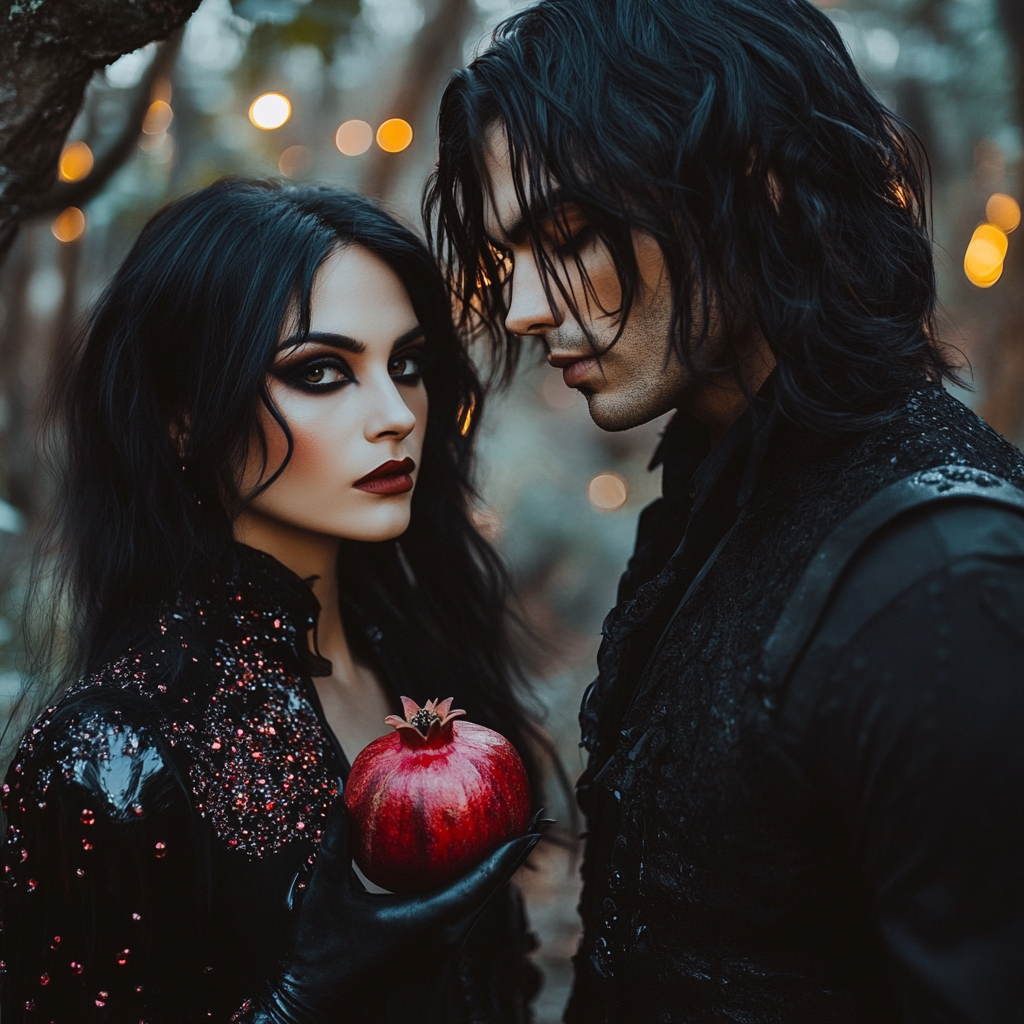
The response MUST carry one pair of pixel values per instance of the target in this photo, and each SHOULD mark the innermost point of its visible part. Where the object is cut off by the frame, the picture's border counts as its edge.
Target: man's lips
(574, 368)
(393, 477)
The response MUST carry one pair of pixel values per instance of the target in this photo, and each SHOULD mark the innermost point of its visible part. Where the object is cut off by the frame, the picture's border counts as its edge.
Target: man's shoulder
(914, 547)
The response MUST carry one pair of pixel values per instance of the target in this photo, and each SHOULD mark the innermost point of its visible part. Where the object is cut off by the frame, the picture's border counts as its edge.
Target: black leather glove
(346, 933)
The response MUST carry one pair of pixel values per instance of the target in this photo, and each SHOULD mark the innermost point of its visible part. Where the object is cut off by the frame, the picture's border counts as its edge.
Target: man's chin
(614, 413)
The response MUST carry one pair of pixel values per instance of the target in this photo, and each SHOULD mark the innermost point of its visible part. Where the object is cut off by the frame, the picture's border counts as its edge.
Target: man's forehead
(502, 213)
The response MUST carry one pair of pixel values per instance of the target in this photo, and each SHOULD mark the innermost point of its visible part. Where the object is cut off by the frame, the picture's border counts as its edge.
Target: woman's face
(353, 397)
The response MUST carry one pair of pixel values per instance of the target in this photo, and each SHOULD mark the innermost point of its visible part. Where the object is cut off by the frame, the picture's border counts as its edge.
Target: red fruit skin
(426, 816)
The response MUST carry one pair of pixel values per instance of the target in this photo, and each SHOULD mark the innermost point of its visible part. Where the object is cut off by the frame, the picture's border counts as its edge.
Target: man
(804, 790)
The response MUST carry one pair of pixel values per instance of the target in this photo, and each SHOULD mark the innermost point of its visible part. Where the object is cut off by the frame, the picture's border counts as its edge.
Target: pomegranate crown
(427, 725)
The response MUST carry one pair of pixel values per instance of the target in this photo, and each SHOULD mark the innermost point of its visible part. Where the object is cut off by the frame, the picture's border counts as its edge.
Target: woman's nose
(391, 415)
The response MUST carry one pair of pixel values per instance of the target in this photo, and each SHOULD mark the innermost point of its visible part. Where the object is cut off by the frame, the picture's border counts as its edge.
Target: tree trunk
(49, 49)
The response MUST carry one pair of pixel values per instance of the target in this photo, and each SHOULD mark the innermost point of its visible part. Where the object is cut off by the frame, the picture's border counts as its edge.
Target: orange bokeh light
(1003, 211)
(75, 162)
(983, 261)
(394, 135)
(68, 225)
(158, 118)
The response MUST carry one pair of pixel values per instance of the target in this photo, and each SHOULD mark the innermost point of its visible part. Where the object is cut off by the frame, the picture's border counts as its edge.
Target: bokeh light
(1003, 211)
(75, 162)
(294, 160)
(158, 118)
(353, 138)
(608, 492)
(983, 261)
(271, 110)
(394, 135)
(68, 225)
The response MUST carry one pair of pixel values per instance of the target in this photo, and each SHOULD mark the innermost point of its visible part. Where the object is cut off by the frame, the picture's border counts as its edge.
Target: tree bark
(49, 49)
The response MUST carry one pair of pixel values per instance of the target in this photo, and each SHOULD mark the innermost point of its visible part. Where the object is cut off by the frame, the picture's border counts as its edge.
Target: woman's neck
(353, 700)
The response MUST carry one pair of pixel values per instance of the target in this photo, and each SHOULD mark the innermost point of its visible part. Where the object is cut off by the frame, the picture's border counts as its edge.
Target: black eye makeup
(407, 366)
(316, 375)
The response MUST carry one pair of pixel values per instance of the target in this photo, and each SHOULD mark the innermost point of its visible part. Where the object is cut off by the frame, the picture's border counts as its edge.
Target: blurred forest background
(345, 92)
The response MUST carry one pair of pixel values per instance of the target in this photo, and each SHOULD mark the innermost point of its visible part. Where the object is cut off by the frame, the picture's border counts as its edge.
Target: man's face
(627, 383)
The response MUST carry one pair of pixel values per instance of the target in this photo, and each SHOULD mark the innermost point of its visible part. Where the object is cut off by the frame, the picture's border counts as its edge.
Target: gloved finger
(470, 894)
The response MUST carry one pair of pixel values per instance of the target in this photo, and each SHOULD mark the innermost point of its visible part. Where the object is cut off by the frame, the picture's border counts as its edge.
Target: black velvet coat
(163, 819)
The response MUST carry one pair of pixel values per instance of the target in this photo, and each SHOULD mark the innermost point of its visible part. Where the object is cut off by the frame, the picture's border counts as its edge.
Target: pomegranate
(433, 798)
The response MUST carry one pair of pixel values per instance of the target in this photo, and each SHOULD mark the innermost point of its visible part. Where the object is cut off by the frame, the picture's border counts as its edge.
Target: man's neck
(720, 402)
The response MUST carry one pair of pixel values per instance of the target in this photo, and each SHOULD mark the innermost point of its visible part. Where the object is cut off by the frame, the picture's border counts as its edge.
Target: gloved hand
(345, 932)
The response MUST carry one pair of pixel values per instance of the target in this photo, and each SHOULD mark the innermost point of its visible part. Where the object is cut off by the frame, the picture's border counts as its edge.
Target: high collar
(691, 467)
(254, 582)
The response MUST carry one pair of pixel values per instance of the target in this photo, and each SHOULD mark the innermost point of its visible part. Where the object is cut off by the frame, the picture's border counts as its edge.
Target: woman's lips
(574, 373)
(392, 477)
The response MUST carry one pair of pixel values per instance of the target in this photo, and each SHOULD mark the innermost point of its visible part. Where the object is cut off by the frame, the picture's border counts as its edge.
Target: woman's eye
(317, 376)
(405, 367)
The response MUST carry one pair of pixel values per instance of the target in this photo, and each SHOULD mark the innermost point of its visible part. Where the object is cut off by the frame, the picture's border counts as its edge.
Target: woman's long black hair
(737, 133)
(156, 413)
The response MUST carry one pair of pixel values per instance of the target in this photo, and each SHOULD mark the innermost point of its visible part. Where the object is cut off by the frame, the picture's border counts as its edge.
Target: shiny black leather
(347, 935)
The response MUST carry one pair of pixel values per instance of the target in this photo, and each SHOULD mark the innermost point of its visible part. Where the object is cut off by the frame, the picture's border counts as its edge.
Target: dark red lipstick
(393, 477)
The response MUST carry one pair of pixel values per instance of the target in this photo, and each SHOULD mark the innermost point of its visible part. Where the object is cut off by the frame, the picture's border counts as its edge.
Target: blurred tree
(49, 50)
(1003, 406)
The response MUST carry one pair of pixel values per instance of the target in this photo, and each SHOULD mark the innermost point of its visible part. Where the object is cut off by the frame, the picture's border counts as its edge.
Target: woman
(265, 533)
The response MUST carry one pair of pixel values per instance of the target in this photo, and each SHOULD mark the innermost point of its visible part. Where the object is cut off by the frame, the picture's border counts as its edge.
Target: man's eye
(573, 245)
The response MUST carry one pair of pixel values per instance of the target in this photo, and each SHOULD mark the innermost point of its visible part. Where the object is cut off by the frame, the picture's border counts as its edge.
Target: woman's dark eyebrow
(344, 342)
(415, 334)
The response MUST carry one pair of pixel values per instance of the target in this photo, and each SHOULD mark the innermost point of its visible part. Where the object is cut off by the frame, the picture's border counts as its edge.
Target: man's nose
(530, 311)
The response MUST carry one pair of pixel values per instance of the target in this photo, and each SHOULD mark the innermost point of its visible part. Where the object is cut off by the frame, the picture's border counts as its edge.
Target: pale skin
(639, 377)
(353, 399)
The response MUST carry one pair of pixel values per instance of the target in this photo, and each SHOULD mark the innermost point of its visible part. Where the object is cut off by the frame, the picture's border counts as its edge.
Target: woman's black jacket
(163, 818)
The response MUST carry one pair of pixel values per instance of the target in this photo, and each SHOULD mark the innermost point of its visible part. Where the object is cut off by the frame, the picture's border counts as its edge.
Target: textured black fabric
(719, 883)
(164, 821)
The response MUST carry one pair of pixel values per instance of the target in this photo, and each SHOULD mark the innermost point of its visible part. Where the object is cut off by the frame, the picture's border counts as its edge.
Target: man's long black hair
(157, 410)
(737, 133)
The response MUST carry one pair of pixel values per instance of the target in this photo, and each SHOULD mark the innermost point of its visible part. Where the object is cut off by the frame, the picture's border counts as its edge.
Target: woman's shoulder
(103, 734)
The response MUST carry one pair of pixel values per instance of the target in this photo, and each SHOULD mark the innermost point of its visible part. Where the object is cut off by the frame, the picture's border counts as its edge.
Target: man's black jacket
(806, 776)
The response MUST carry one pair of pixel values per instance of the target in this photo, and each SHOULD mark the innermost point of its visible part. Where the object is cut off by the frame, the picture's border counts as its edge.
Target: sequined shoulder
(112, 748)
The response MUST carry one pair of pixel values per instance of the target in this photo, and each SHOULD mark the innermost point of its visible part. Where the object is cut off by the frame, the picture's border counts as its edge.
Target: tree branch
(49, 49)
(63, 194)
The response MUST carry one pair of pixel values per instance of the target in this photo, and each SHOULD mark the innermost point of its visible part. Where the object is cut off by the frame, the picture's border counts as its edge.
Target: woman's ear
(178, 430)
